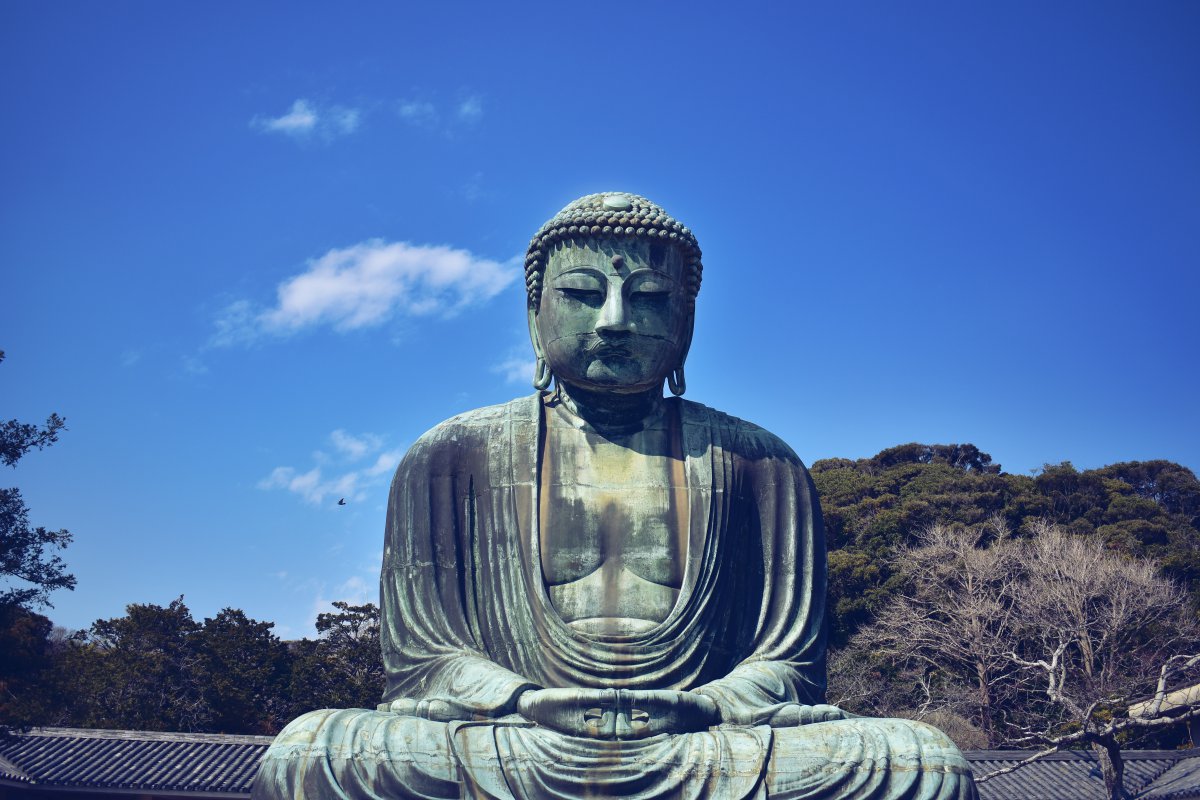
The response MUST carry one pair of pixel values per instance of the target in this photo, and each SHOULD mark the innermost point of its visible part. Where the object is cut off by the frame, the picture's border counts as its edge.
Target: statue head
(612, 283)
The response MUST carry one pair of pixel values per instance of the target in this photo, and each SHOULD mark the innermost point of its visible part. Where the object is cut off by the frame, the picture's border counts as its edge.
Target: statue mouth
(610, 350)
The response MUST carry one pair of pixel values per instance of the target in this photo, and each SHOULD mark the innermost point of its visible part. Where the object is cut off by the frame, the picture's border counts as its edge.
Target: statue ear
(675, 379)
(689, 329)
(541, 373)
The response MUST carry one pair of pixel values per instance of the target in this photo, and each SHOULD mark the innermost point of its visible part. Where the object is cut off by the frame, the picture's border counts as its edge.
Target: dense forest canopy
(875, 505)
(157, 668)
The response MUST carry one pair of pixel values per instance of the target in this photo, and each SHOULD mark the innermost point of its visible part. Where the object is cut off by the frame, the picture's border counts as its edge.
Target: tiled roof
(1076, 775)
(204, 764)
(215, 766)
(1179, 782)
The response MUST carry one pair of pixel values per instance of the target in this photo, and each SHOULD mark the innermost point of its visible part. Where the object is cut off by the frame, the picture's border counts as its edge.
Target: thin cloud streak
(419, 113)
(305, 119)
(446, 118)
(354, 447)
(470, 110)
(317, 488)
(515, 369)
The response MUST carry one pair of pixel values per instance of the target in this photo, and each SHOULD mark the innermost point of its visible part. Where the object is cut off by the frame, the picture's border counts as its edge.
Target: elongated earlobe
(542, 375)
(676, 382)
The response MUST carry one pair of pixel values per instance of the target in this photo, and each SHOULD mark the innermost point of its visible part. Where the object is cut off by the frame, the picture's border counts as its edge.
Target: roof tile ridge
(148, 736)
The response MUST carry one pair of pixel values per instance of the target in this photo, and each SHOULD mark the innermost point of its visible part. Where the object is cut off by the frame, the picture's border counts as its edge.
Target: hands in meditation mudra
(597, 591)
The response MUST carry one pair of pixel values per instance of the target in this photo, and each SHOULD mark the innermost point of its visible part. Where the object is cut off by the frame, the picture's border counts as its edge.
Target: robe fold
(467, 625)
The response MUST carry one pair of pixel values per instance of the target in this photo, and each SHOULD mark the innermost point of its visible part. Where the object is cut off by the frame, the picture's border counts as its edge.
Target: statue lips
(605, 349)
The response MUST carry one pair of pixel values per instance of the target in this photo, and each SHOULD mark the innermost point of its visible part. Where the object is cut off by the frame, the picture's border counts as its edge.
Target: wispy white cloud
(306, 119)
(385, 464)
(365, 285)
(344, 120)
(470, 110)
(314, 487)
(354, 447)
(364, 465)
(446, 118)
(236, 323)
(473, 189)
(301, 119)
(192, 365)
(515, 368)
(418, 112)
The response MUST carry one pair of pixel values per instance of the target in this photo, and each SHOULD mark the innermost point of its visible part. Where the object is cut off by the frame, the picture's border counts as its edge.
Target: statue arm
(436, 664)
(781, 678)
(766, 693)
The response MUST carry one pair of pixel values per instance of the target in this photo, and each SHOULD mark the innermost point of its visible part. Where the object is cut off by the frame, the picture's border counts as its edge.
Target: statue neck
(611, 411)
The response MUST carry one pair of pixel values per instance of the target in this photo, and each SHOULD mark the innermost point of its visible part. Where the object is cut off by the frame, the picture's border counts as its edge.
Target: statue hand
(650, 712)
(618, 714)
(787, 715)
(569, 711)
(438, 709)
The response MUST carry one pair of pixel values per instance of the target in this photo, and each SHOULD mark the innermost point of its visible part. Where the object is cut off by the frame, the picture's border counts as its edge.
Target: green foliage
(25, 657)
(874, 506)
(27, 563)
(343, 668)
(30, 570)
(142, 671)
(156, 668)
(247, 669)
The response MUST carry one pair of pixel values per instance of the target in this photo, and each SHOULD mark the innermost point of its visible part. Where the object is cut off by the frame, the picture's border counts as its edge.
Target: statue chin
(584, 594)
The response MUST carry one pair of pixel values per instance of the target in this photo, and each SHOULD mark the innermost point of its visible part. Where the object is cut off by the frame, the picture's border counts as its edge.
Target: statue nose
(614, 315)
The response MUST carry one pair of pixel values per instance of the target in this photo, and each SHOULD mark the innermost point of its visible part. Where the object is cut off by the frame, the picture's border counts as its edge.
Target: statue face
(613, 314)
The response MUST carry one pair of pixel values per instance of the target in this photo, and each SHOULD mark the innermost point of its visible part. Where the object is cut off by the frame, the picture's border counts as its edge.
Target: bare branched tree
(1099, 631)
(952, 631)
(1050, 637)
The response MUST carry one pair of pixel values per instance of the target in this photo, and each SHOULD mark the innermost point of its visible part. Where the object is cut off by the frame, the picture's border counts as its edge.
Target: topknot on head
(611, 214)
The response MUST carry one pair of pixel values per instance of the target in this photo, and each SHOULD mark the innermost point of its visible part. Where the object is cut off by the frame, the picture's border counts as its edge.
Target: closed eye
(591, 297)
(648, 284)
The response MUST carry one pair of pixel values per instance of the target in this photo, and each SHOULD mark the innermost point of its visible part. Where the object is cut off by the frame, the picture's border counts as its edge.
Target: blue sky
(252, 251)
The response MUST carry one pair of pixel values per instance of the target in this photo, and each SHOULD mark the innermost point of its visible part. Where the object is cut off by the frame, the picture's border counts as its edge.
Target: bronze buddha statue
(599, 591)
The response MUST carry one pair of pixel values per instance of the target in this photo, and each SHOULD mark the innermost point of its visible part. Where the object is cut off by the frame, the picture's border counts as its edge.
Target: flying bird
(342, 502)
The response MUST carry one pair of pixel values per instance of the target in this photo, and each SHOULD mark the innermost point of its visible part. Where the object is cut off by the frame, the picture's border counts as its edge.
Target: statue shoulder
(742, 438)
(468, 434)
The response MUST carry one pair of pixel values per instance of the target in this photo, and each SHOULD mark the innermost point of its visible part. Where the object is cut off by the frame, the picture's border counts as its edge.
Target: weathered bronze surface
(597, 591)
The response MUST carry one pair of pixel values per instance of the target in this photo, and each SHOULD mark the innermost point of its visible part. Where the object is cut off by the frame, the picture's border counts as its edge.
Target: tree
(874, 507)
(25, 658)
(25, 565)
(951, 629)
(1098, 632)
(30, 570)
(1052, 635)
(246, 669)
(343, 668)
(142, 671)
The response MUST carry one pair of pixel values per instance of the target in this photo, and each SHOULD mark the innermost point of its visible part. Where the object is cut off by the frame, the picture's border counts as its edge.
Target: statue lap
(357, 754)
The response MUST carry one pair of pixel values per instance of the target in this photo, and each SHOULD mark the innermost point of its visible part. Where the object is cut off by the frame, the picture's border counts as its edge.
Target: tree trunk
(1112, 767)
(985, 702)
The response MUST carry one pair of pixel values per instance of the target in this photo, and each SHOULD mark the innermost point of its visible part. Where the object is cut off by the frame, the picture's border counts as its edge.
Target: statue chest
(612, 527)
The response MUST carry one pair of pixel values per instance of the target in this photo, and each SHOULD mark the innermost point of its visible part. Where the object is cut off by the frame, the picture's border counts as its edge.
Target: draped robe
(468, 625)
